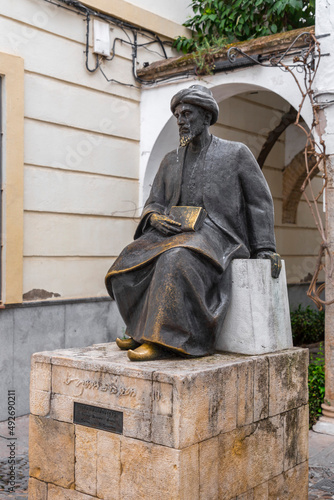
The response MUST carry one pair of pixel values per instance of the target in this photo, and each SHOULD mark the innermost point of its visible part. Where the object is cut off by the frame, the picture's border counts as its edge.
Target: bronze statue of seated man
(209, 204)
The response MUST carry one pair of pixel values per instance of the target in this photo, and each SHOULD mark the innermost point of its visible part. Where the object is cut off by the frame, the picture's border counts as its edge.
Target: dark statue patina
(172, 286)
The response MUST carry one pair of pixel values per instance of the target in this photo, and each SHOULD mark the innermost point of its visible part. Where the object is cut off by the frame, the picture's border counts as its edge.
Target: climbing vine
(306, 61)
(220, 22)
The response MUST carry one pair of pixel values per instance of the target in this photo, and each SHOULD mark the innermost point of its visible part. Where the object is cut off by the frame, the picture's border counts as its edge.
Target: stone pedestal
(222, 427)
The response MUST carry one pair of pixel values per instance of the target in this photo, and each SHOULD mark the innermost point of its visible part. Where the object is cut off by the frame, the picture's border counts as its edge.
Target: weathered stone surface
(137, 424)
(261, 388)
(40, 387)
(189, 426)
(245, 394)
(287, 380)
(261, 492)
(162, 398)
(249, 495)
(61, 408)
(108, 465)
(165, 430)
(209, 469)
(102, 388)
(40, 378)
(250, 456)
(216, 394)
(57, 493)
(163, 472)
(228, 399)
(85, 459)
(51, 451)
(195, 426)
(37, 489)
(192, 429)
(104, 358)
(296, 424)
(292, 484)
(40, 403)
(188, 473)
(258, 318)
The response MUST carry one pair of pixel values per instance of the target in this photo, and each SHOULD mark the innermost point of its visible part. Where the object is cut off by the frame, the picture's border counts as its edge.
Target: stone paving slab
(321, 447)
(321, 466)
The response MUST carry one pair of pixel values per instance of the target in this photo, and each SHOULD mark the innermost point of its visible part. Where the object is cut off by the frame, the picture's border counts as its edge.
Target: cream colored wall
(81, 150)
(174, 10)
(249, 118)
(147, 13)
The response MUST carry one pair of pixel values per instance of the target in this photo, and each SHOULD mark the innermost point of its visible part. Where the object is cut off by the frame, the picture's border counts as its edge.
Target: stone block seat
(258, 318)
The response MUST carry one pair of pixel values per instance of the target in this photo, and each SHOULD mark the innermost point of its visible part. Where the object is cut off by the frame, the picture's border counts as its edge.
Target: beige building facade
(82, 139)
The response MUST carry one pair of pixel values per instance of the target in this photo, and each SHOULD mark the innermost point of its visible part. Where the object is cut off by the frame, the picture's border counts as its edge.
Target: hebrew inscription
(113, 388)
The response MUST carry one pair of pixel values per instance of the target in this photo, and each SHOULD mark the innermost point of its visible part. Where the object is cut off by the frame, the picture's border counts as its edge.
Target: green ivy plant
(230, 20)
(308, 325)
(316, 386)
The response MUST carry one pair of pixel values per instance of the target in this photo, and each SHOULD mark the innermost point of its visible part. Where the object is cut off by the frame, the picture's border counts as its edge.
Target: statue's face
(191, 120)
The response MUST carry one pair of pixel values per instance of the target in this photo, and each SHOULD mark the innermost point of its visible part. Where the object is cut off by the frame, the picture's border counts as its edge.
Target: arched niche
(160, 135)
(158, 128)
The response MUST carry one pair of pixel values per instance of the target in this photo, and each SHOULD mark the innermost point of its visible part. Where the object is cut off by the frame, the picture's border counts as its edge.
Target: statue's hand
(164, 224)
(276, 261)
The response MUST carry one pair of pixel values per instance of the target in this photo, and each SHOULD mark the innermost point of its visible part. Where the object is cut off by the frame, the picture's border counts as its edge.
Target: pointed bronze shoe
(126, 344)
(147, 352)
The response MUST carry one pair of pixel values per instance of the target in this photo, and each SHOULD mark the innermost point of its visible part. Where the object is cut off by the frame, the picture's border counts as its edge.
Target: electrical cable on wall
(77, 7)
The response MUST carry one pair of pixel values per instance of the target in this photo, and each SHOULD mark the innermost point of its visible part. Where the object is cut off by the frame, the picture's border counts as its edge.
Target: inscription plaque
(98, 418)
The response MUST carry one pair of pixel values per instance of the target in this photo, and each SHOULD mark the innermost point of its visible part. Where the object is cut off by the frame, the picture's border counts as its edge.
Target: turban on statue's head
(197, 95)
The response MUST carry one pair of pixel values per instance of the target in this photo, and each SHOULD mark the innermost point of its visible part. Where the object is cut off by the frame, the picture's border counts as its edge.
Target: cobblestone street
(22, 474)
(321, 483)
(21, 465)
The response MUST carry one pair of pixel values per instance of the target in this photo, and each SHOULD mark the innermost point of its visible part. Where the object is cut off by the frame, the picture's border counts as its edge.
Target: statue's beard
(185, 139)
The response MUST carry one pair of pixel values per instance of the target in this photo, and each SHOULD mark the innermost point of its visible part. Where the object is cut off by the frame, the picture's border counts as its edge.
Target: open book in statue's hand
(190, 218)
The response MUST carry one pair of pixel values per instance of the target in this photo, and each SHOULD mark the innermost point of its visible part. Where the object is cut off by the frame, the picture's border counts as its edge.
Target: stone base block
(325, 424)
(258, 318)
(224, 427)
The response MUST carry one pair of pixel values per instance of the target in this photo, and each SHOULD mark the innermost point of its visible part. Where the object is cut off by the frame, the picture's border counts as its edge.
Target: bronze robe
(174, 290)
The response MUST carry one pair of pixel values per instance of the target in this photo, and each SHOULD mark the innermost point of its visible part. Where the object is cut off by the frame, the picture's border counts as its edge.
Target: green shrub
(316, 386)
(308, 325)
(243, 20)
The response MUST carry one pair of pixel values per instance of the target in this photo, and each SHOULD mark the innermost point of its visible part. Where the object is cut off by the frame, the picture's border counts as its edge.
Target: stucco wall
(81, 149)
(174, 10)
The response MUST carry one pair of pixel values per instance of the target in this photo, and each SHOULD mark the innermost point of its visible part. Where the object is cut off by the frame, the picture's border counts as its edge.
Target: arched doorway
(248, 113)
